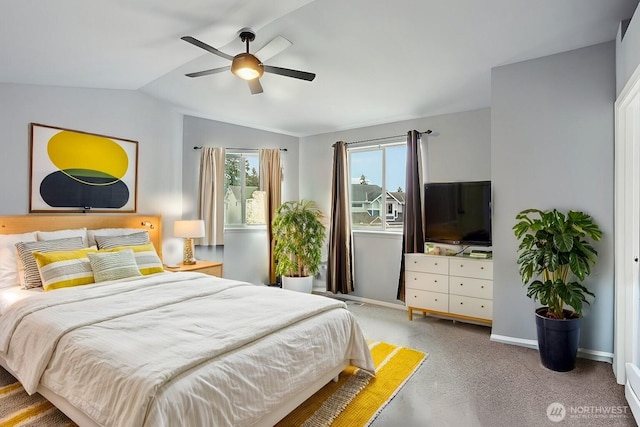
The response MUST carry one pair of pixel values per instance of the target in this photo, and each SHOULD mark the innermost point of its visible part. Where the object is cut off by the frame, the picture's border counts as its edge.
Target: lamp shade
(246, 66)
(189, 228)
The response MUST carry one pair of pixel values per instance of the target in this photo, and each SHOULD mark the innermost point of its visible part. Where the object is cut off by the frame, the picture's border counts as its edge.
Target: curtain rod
(199, 147)
(427, 132)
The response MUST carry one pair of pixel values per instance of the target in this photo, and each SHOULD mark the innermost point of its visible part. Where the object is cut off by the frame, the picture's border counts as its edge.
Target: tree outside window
(377, 182)
(243, 199)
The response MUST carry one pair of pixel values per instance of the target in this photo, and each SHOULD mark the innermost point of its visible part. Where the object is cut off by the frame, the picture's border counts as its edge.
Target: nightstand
(207, 267)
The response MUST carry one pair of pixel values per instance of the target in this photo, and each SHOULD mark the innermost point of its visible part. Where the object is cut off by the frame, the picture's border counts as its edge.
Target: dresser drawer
(426, 281)
(427, 300)
(470, 287)
(471, 307)
(464, 267)
(426, 264)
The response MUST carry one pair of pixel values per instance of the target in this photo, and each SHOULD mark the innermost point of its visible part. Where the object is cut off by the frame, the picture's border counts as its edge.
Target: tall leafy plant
(554, 250)
(299, 235)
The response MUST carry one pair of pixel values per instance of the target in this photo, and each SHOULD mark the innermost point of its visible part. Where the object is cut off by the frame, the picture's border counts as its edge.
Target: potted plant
(555, 250)
(299, 235)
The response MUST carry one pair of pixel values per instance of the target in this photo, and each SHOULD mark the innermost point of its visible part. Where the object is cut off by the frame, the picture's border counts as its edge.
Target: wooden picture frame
(75, 171)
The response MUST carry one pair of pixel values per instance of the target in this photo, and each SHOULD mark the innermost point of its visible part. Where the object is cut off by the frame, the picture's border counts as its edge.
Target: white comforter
(177, 349)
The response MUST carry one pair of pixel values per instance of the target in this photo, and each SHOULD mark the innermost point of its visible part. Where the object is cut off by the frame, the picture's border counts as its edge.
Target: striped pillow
(91, 234)
(146, 258)
(62, 269)
(25, 254)
(113, 265)
(108, 242)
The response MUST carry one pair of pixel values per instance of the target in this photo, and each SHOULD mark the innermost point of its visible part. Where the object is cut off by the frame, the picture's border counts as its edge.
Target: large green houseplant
(299, 236)
(555, 251)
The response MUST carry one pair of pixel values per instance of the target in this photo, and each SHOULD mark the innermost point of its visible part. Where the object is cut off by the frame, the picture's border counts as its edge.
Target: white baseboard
(322, 291)
(514, 341)
(601, 356)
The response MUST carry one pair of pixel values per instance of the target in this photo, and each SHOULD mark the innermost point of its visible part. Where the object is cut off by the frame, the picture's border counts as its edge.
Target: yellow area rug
(17, 408)
(355, 400)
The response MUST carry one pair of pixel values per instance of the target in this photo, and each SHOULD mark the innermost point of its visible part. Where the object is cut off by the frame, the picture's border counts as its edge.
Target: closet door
(626, 361)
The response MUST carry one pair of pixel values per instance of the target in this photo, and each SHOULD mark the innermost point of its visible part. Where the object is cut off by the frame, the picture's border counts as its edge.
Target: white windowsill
(246, 229)
(380, 233)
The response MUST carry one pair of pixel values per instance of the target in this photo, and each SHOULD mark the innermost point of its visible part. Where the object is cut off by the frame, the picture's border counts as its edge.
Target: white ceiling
(376, 61)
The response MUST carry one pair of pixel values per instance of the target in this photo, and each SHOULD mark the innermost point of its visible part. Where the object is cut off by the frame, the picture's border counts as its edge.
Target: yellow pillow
(146, 257)
(62, 269)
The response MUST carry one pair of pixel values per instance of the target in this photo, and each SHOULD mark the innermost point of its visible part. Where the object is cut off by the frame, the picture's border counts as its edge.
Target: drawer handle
(435, 281)
(436, 299)
(415, 278)
(481, 286)
(481, 268)
(415, 262)
(461, 284)
(435, 263)
(461, 303)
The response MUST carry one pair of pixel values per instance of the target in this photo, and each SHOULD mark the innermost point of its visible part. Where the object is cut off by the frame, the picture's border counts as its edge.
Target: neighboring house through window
(243, 200)
(377, 186)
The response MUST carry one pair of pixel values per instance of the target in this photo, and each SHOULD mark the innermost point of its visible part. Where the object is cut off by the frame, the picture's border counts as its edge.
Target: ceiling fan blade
(208, 72)
(206, 47)
(273, 48)
(302, 75)
(255, 86)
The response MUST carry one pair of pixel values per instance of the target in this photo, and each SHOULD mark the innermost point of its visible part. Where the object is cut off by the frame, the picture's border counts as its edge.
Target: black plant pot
(558, 340)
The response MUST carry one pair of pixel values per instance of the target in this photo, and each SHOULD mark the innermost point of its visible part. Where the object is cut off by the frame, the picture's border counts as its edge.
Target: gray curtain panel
(412, 235)
(340, 261)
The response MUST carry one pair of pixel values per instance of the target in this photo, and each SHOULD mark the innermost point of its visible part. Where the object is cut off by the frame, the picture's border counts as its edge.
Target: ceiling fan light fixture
(246, 66)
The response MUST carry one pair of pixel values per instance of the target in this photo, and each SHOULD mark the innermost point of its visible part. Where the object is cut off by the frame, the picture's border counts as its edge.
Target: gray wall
(459, 150)
(560, 104)
(627, 53)
(552, 145)
(117, 113)
(244, 253)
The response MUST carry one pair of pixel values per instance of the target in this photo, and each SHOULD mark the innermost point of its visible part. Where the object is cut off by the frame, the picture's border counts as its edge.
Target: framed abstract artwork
(74, 171)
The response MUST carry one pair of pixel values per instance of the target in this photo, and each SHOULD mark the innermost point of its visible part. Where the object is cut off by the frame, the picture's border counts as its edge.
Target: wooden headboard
(24, 223)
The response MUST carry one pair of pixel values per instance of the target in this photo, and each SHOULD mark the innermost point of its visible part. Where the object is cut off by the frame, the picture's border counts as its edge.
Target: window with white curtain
(377, 190)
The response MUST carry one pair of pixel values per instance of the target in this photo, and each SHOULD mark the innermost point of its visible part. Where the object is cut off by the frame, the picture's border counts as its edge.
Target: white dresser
(453, 286)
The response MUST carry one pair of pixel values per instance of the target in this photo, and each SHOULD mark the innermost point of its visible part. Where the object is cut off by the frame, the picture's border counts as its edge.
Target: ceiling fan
(247, 66)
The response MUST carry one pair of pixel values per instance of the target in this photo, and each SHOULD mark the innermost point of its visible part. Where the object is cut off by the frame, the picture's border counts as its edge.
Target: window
(377, 186)
(243, 200)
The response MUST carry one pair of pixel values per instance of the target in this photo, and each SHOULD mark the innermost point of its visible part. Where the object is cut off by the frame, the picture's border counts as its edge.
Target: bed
(170, 348)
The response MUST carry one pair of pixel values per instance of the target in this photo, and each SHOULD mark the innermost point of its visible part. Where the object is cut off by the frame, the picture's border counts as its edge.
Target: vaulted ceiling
(376, 61)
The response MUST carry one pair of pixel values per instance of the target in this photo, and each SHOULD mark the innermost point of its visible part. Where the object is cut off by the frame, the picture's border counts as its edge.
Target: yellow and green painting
(78, 171)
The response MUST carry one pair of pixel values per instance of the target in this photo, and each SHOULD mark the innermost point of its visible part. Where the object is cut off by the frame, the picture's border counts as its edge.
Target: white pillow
(8, 259)
(91, 234)
(63, 234)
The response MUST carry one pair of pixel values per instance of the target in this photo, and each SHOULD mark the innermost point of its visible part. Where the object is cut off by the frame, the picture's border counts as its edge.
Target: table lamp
(189, 229)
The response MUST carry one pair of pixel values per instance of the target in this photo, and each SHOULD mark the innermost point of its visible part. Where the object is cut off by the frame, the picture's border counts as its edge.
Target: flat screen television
(458, 213)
